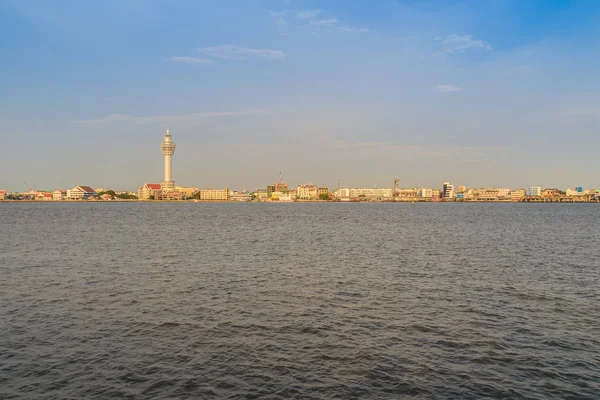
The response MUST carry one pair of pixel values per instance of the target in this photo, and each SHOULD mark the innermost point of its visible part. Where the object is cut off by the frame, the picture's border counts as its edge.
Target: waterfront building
(534, 191)
(148, 190)
(80, 193)
(43, 196)
(425, 193)
(163, 194)
(307, 192)
(461, 189)
(517, 195)
(105, 197)
(59, 195)
(283, 197)
(188, 191)
(447, 191)
(214, 194)
(322, 191)
(550, 193)
(168, 149)
(240, 196)
(2, 195)
(261, 195)
(278, 187)
(578, 191)
(407, 193)
(368, 193)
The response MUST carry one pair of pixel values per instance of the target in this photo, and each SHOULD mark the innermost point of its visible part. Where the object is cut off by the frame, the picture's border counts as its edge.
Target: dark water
(299, 301)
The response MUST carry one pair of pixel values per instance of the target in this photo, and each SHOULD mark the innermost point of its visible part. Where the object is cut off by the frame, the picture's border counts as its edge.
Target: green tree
(324, 196)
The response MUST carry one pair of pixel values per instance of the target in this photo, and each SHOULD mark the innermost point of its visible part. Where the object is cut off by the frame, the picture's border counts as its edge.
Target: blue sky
(480, 93)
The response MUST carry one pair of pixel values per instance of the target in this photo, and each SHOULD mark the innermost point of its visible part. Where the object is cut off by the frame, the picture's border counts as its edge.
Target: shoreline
(527, 201)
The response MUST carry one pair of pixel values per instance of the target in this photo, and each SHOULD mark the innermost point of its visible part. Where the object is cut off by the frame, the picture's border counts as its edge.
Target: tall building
(168, 149)
(535, 191)
(447, 190)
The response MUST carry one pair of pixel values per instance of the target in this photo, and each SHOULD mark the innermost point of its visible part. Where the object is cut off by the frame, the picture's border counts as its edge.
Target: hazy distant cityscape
(282, 192)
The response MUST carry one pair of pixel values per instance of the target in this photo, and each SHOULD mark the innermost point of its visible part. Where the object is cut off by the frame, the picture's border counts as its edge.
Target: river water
(280, 301)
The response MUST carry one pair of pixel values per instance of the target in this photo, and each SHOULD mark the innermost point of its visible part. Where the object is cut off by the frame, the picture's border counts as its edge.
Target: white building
(80, 193)
(58, 195)
(576, 192)
(447, 190)
(148, 190)
(534, 191)
(168, 149)
(307, 192)
(426, 193)
(240, 196)
(369, 193)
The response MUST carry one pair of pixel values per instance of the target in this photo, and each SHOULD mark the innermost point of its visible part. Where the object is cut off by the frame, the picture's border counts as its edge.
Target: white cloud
(189, 60)
(448, 88)
(333, 23)
(460, 44)
(306, 13)
(308, 19)
(233, 52)
(165, 118)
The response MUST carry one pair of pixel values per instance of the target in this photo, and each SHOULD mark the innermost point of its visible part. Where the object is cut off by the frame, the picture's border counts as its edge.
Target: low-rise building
(2, 195)
(425, 193)
(214, 194)
(170, 195)
(550, 193)
(578, 191)
(148, 191)
(240, 196)
(307, 192)
(367, 193)
(43, 196)
(261, 195)
(59, 195)
(517, 195)
(188, 191)
(80, 193)
(407, 192)
(277, 187)
(534, 191)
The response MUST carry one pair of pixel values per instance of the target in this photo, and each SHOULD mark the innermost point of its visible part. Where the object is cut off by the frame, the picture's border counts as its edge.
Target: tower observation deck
(168, 149)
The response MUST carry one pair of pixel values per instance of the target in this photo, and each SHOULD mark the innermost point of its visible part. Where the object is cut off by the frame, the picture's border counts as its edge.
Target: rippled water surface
(299, 301)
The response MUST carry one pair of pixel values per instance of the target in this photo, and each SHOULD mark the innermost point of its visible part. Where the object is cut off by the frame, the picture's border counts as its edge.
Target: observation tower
(168, 149)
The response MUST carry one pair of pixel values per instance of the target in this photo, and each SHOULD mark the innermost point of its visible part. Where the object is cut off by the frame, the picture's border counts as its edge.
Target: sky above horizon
(478, 93)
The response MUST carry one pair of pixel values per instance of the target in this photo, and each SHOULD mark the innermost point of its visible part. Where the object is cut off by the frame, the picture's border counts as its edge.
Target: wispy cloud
(448, 88)
(278, 17)
(460, 44)
(165, 118)
(309, 19)
(233, 52)
(189, 60)
(306, 13)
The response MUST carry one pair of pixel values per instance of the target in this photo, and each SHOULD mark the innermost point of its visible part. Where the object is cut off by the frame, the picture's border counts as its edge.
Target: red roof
(155, 186)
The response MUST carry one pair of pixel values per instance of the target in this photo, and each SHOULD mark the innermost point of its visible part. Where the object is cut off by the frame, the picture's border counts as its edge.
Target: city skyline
(332, 91)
